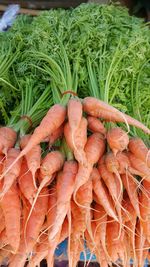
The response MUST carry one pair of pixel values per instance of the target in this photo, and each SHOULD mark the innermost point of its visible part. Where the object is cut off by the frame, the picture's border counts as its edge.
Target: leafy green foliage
(96, 50)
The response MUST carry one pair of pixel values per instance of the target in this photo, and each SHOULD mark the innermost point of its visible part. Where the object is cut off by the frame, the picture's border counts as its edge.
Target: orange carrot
(111, 182)
(2, 220)
(114, 245)
(102, 194)
(84, 199)
(139, 245)
(7, 139)
(26, 182)
(3, 239)
(128, 212)
(80, 140)
(95, 125)
(74, 116)
(33, 157)
(100, 109)
(52, 163)
(29, 237)
(139, 149)
(12, 212)
(140, 166)
(52, 120)
(96, 246)
(131, 188)
(56, 135)
(13, 173)
(95, 148)
(2, 158)
(144, 202)
(64, 188)
(100, 218)
(117, 139)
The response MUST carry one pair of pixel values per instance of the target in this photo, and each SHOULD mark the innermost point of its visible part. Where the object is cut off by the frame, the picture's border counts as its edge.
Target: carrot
(96, 247)
(139, 149)
(95, 125)
(80, 140)
(2, 220)
(100, 218)
(100, 109)
(128, 212)
(144, 201)
(102, 194)
(29, 237)
(2, 158)
(117, 139)
(140, 166)
(33, 157)
(84, 198)
(51, 249)
(3, 239)
(25, 182)
(13, 173)
(56, 135)
(7, 139)
(52, 163)
(95, 148)
(111, 182)
(114, 245)
(64, 188)
(74, 112)
(76, 246)
(123, 161)
(139, 245)
(131, 188)
(12, 212)
(52, 120)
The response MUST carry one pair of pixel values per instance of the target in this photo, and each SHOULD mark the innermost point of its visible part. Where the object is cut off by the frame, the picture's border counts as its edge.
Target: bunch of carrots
(74, 178)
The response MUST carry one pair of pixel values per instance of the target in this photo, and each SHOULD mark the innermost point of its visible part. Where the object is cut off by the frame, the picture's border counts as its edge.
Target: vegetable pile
(92, 184)
(74, 140)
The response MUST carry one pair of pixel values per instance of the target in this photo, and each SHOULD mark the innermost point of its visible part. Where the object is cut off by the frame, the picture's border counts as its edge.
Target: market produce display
(74, 140)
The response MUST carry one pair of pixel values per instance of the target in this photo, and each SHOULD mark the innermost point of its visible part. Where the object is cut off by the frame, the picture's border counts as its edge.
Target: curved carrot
(64, 189)
(100, 109)
(139, 244)
(56, 135)
(144, 201)
(117, 139)
(140, 166)
(80, 139)
(33, 157)
(52, 120)
(12, 212)
(25, 182)
(29, 237)
(52, 163)
(131, 188)
(7, 139)
(139, 149)
(100, 218)
(102, 194)
(13, 173)
(95, 125)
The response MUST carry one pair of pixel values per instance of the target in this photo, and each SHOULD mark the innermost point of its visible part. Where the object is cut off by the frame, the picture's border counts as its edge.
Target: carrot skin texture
(140, 166)
(9, 204)
(13, 173)
(64, 189)
(117, 139)
(25, 182)
(100, 109)
(95, 125)
(56, 135)
(102, 194)
(7, 139)
(139, 149)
